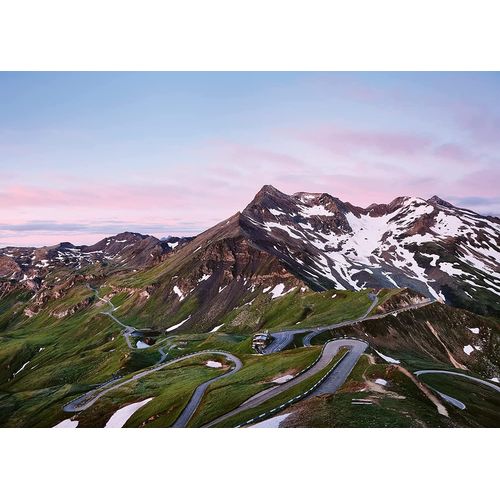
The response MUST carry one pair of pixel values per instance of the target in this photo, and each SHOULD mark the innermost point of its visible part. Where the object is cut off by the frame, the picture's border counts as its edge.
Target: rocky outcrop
(438, 250)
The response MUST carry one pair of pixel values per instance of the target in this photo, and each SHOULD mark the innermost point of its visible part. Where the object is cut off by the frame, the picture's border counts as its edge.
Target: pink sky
(371, 146)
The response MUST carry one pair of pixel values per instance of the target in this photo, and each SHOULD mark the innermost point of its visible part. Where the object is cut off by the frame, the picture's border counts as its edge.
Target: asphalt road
(88, 399)
(491, 385)
(281, 340)
(198, 394)
(453, 401)
(337, 378)
(285, 337)
(330, 350)
(365, 317)
(127, 329)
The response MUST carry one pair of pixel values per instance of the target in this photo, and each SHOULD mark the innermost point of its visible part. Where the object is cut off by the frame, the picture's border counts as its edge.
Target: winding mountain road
(88, 399)
(365, 317)
(340, 373)
(463, 375)
(284, 338)
(331, 383)
(128, 330)
(336, 379)
(198, 394)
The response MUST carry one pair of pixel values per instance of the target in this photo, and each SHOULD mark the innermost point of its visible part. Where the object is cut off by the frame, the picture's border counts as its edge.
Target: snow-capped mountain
(304, 240)
(125, 250)
(444, 252)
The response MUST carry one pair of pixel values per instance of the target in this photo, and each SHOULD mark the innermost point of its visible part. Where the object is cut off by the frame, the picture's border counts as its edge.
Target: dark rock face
(9, 268)
(438, 250)
(447, 253)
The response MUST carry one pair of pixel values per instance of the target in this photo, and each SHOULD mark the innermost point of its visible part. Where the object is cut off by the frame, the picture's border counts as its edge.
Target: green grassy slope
(68, 347)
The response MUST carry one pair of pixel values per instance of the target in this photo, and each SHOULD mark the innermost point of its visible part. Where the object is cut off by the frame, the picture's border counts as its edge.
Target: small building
(260, 341)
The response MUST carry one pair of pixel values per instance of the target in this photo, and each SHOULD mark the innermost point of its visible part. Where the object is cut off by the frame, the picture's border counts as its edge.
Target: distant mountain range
(124, 251)
(311, 240)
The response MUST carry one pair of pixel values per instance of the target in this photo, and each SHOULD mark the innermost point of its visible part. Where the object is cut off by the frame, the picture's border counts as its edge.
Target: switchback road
(198, 394)
(88, 399)
(337, 378)
(491, 385)
(330, 350)
(365, 317)
(284, 338)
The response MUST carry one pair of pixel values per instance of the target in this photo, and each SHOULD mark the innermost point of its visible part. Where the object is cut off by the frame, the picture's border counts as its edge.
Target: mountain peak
(269, 189)
(269, 195)
(436, 200)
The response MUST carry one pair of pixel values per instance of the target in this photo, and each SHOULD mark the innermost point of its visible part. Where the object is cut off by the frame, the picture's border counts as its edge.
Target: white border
(249, 463)
(256, 35)
(249, 35)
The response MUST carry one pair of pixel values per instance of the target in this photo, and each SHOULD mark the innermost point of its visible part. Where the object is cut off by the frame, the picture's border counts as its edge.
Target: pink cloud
(456, 153)
(347, 141)
(359, 166)
(483, 182)
(90, 196)
(481, 125)
(256, 157)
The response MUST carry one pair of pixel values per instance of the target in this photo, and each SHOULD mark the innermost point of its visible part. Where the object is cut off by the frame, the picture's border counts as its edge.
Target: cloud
(456, 153)
(476, 200)
(482, 183)
(111, 228)
(347, 141)
(357, 165)
(88, 195)
(482, 125)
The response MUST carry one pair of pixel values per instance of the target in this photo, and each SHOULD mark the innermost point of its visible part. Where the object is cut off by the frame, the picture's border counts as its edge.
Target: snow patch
(268, 226)
(381, 381)
(120, 417)
(276, 212)
(474, 330)
(216, 328)
(141, 345)
(178, 292)
(174, 327)
(316, 210)
(214, 364)
(448, 268)
(271, 423)
(283, 379)
(388, 358)
(66, 424)
(468, 349)
(277, 291)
